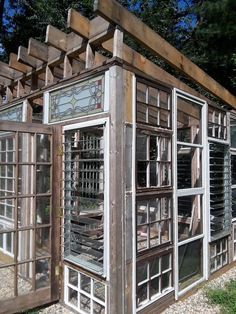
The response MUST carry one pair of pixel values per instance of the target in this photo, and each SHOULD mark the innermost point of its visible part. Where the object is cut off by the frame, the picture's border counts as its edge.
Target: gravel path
(197, 303)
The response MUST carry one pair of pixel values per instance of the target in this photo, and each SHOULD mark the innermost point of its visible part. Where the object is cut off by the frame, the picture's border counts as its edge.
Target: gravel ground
(197, 303)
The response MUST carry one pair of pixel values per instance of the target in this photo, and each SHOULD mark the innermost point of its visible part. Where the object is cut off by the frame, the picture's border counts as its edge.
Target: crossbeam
(115, 13)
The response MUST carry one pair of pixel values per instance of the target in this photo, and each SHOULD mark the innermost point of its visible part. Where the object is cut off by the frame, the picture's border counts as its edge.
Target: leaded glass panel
(79, 99)
(12, 114)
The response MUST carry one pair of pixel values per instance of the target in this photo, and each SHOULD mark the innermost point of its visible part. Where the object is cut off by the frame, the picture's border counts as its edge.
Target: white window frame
(191, 191)
(100, 122)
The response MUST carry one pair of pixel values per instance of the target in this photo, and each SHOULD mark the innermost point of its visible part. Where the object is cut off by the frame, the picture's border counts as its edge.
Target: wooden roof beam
(7, 72)
(5, 81)
(78, 23)
(16, 65)
(115, 13)
(24, 57)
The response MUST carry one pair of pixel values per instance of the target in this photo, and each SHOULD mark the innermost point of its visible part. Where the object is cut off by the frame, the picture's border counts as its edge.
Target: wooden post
(117, 193)
(118, 43)
(90, 54)
(20, 89)
(67, 71)
(49, 78)
(9, 94)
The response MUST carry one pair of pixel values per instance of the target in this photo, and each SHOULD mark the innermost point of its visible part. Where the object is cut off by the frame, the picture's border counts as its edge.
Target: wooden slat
(114, 12)
(38, 50)
(56, 38)
(8, 73)
(5, 81)
(26, 59)
(100, 30)
(16, 65)
(81, 28)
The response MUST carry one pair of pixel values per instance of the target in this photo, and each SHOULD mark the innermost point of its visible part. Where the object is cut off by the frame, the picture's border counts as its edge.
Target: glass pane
(142, 212)
(141, 294)
(7, 281)
(7, 214)
(43, 148)
(72, 297)
(154, 210)
(154, 286)
(25, 147)
(42, 273)
(164, 118)
(42, 242)
(25, 211)
(141, 112)
(165, 262)
(25, 247)
(73, 277)
(233, 203)
(189, 170)
(189, 121)
(25, 180)
(154, 171)
(141, 147)
(7, 248)
(154, 234)
(142, 173)
(43, 176)
(85, 303)
(152, 96)
(153, 148)
(141, 92)
(233, 131)
(142, 271)
(98, 308)
(99, 290)
(166, 281)
(85, 283)
(189, 216)
(142, 237)
(190, 263)
(43, 209)
(24, 278)
(153, 115)
(154, 267)
(164, 100)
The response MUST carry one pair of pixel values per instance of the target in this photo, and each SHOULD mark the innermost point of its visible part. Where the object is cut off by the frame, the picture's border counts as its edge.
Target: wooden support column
(118, 43)
(49, 79)
(117, 192)
(90, 55)
(9, 94)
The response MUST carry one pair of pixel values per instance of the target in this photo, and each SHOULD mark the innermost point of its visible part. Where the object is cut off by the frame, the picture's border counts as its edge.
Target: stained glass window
(79, 99)
(12, 113)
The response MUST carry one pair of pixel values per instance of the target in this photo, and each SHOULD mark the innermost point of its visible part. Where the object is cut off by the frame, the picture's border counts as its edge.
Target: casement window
(218, 254)
(153, 153)
(84, 293)
(84, 197)
(154, 278)
(217, 123)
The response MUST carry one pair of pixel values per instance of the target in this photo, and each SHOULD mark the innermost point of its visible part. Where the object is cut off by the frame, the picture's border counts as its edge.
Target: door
(29, 224)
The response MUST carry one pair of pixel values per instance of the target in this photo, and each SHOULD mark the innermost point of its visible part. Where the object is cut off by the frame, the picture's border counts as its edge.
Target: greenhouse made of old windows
(117, 180)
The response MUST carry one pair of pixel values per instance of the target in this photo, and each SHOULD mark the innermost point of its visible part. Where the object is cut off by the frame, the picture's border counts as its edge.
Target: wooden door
(29, 220)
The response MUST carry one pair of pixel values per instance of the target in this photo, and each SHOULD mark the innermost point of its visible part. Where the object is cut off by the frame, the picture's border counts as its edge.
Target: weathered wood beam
(78, 23)
(5, 81)
(56, 38)
(16, 65)
(24, 57)
(100, 30)
(135, 59)
(115, 13)
(7, 72)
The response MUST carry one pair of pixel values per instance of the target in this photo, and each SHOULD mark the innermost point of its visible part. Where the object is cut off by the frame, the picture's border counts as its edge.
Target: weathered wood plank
(7, 72)
(5, 81)
(42, 51)
(16, 65)
(56, 38)
(114, 12)
(81, 28)
(26, 59)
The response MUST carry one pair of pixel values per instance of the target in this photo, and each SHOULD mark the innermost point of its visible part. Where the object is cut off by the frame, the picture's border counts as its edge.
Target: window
(153, 222)
(234, 241)
(83, 293)
(220, 202)
(82, 98)
(153, 106)
(153, 155)
(217, 123)
(218, 254)
(13, 113)
(84, 197)
(154, 277)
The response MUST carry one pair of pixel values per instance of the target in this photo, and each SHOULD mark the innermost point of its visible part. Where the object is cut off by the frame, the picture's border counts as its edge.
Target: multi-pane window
(153, 106)
(154, 277)
(233, 163)
(218, 254)
(14, 113)
(217, 123)
(153, 222)
(83, 293)
(153, 153)
(84, 197)
(234, 241)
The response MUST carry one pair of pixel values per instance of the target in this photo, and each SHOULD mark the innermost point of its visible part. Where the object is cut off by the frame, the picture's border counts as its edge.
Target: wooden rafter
(7, 72)
(16, 65)
(115, 13)
(24, 57)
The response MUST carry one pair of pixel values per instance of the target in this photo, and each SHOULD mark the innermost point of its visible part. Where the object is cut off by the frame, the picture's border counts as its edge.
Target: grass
(224, 297)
